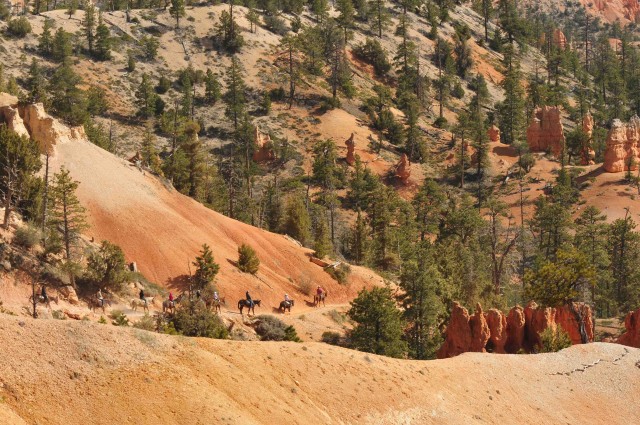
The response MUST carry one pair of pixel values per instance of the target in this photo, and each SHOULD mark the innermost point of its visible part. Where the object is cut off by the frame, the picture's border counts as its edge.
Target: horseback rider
(319, 291)
(43, 294)
(100, 297)
(198, 293)
(142, 297)
(249, 300)
(216, 297)
(287, 300)
(171, 298)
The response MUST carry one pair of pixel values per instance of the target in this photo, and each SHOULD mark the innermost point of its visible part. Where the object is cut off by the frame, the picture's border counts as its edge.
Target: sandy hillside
(58, 372)
(162, 231)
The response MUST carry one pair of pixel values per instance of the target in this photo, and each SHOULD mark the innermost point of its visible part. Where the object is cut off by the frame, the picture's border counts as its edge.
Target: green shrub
(102, 320)
(27, 236)
(340, 273)
(458, 91)
(164, 84)
(248, 260)
(333, 338)
(119, 318)
(275, 24)
(146, 322)
(440, 122)
(271, 328)
(19, 27)
(58, 314)
(372, 52)
(193, 319)
(552, 341)
(107, 267)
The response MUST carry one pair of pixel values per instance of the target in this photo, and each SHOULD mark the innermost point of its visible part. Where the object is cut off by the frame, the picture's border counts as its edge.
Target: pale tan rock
(11, 117)
(623, 146)
(46, 130)
(264, 148)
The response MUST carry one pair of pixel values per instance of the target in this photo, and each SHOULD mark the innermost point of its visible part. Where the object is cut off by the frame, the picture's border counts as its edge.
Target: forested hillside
(470, 151)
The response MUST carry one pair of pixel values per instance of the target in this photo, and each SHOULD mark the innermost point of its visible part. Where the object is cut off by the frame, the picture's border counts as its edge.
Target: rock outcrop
(623, 146)
(632, 325)
(264, 148)
(494, 133)
(519, 330)
(588, 155)
(402, 170)
(545, 131)
(351, 147)
(11, 117)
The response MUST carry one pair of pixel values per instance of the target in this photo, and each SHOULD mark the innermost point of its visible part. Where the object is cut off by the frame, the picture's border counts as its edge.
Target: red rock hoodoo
(588, 154)
(403, 169)
(632, 325)
(264, 148)
(545, 131)
(494, 133)
(623, 146)
(559, 39)
(351, 147)
(519, 330)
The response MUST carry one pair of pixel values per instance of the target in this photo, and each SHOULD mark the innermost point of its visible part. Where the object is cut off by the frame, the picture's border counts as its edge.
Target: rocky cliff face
(545, 131)
(519, 330)
(32, 121)
(623, 146)
(632, 325)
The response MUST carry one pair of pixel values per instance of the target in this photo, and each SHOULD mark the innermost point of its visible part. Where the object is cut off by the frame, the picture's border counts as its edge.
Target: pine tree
(19, 162)
(148, 151)
(346, 17)
(297, 221)
(379, 16)
(235, 97)
(379, 325)
(67, 99)
(61, 46)
(322, 238)
(103, 41)
(248, 260)
(45, 41)
(36, 83)
(67, 218)
(228, 34)
(89, 24)
(177, 11)
(420, 282)
(206, 268)
(211, 88)
(146, 98)
(511, 118)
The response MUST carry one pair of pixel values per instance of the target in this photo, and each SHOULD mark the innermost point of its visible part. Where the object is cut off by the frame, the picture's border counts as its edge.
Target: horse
(137, 302)
(40, 300)
(285, 305)
(168, 306)
(216, 304)
(320, 297)
(251, 308)
(95, 303)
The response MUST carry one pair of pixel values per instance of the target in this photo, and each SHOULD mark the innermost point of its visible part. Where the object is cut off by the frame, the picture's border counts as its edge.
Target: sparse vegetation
(248, 260)
(271, 328)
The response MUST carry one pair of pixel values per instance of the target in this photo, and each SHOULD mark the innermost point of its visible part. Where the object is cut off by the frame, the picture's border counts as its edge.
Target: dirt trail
(61, 372)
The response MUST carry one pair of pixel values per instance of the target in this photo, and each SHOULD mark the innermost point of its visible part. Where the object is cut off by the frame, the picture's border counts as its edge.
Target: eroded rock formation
(588, 154)
(351, 147)
(33, 121)
(545, 131)
(519, 330)
(264, 148)
(403, 169)
(623, 146)
(494, 133)
(632, 325)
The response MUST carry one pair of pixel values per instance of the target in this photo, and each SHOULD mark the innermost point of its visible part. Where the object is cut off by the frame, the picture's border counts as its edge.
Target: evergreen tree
(67, 100)
(146, 98)
(206, 268)
(211, 88)
(45, 41)
(235, 97)
(511, 118)
(379, 325)
(346, 18)
(297, 221)
(420, 282)
(148, 151)
(248, 260)
(89, 24)
(19, 162)
(228, 34)
(378, 16)
(61, 46)
(177, 11)
(36, 83)
(66, 217)
(103, 41)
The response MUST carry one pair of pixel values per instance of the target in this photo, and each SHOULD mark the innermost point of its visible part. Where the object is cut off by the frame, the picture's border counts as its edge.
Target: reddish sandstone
(632, 325)
(351, 146)
(545, 131)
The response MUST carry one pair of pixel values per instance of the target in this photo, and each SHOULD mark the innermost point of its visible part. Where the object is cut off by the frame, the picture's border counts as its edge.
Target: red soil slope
(162, 231)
